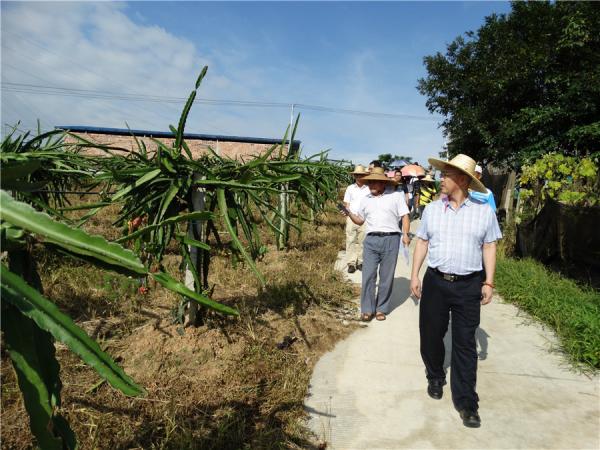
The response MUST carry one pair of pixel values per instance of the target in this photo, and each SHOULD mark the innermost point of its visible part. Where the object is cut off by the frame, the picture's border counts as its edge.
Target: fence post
(507, 200)
(197, 231)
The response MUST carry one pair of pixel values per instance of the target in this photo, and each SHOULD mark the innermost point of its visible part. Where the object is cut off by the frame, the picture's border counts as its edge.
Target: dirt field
(231, 383)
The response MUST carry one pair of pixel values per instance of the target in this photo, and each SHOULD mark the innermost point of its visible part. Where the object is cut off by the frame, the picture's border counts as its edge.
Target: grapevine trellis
(165, 196)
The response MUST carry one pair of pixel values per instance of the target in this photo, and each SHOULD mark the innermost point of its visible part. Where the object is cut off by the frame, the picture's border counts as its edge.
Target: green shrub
(571, 310)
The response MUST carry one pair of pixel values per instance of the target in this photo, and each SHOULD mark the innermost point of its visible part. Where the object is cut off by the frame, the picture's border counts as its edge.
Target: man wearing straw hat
(355, 233)
(460, 233)
(381, 211)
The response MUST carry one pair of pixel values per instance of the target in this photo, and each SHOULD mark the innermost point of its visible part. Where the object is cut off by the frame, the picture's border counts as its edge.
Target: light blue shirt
(486, 198)
(456, 237)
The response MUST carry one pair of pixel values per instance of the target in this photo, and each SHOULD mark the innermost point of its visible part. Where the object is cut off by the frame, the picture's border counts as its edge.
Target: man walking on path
(459, 233)
(381, 210)
(355, 233)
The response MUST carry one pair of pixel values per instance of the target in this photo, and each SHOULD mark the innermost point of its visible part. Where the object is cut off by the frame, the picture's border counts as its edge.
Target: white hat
(478, 169)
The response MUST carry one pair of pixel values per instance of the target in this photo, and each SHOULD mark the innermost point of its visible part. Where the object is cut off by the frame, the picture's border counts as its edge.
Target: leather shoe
(351, 268)
(359, 267)
(435, 388)
(470, 418)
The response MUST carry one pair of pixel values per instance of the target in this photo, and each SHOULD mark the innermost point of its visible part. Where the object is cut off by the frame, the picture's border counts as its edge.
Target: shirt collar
(446, 200)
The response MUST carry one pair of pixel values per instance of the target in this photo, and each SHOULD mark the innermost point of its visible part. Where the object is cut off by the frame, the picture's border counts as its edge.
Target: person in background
(374, 163)
(427, 193)
(488, 197)
(410, 192)
(414, 214)
(355, 233)
(460, 235)
(382, 211)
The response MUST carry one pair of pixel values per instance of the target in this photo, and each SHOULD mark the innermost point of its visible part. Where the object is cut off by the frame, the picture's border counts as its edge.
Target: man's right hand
(415, 287)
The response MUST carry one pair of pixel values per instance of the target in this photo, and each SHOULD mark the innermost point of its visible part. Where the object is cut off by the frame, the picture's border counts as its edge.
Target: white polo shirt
(382, 213)
(355, 194)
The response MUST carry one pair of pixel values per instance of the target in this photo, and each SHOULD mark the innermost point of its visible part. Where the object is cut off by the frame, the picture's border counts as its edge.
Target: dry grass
(226, 384)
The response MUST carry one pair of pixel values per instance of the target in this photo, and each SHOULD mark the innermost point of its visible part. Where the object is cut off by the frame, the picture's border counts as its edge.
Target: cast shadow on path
(481, 337)
(400, 293)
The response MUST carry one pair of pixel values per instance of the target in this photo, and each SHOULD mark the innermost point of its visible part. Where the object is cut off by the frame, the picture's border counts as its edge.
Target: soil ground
(230, 383)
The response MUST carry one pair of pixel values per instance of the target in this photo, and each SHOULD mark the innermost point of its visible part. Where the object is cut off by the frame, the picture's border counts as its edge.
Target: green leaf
(204, 215)
(14, 170)
(33, 356)
(167, 199)
(193, 242)
(236, 241)
(173, 285)
(22, 186)
(48, 317)
(183, 118)
(201, 76)
(24, 216)
(139, 182)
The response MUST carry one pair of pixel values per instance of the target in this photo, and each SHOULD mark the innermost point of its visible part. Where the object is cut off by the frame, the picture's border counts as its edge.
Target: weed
(571, 310)
(222, 385)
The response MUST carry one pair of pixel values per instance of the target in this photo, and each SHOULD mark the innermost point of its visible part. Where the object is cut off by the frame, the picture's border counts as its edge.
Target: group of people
(458, 231)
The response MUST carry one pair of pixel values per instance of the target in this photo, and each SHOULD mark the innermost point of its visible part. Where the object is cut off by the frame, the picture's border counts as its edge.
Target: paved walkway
(370, 391)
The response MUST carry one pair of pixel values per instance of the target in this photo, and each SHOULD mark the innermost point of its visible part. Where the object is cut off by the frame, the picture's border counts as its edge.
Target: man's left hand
(405, 239)
(486, 294)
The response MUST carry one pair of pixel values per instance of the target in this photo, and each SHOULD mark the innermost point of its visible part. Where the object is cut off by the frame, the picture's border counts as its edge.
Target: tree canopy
(525, 84)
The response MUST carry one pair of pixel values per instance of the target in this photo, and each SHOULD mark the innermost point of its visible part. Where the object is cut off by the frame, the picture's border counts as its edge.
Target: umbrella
(399, 163)
(412, 171)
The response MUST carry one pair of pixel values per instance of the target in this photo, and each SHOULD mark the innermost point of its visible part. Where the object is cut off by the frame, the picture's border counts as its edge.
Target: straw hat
(378, 174)
(359, 169)
(464, 164)
(428, 178)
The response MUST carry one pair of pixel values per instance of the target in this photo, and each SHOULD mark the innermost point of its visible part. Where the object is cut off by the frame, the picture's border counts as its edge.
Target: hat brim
(475, 184)
(377, 177)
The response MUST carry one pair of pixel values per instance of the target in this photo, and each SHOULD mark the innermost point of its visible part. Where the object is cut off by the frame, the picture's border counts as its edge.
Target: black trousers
(461, 298)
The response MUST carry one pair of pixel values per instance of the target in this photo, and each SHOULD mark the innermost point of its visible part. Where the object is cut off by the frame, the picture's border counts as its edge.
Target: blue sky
(343, 55)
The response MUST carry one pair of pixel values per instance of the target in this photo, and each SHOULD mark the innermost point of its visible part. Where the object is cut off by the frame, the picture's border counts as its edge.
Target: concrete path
(370, 391)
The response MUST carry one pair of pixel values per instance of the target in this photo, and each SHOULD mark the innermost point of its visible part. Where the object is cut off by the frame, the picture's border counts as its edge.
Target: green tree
(524, 84)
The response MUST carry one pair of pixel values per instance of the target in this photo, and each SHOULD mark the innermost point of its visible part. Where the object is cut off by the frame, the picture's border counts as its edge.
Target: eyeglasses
(451, 174)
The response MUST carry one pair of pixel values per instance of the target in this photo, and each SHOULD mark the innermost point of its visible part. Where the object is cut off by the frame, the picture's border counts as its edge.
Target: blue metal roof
(168, 134)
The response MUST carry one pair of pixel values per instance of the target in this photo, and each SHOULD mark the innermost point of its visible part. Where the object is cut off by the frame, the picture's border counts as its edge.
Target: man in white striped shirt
(459, 232)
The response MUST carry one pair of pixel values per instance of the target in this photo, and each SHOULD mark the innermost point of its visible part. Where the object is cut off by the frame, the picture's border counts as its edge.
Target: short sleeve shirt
(456, 237)
(383, 212)
(354, 194)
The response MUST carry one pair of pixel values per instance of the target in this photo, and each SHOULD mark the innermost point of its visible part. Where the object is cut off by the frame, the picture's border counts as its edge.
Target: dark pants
(462, 298)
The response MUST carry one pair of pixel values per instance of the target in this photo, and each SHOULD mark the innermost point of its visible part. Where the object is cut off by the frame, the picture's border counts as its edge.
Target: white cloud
(97, 46)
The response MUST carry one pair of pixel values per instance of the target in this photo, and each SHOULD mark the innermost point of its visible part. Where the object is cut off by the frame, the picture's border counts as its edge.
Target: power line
(65, 92)
(87, 93)
(73, 62)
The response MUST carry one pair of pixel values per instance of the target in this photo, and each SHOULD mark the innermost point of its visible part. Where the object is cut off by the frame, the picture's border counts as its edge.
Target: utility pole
(284, 226)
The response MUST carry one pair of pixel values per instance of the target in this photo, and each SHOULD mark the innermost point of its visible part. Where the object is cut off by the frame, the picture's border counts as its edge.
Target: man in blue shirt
(460, 236)
(487, 197)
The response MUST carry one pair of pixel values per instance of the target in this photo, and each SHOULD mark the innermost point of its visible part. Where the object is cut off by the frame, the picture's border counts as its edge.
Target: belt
(452, 277)
(382, 233)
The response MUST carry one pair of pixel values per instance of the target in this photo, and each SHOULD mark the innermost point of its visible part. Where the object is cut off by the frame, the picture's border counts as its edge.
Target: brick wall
(198, 147)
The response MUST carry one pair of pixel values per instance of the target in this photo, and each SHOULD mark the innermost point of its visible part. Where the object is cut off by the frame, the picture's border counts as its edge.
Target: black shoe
(470, 418)
(435, 388)
(351, 268)
(359, 266)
